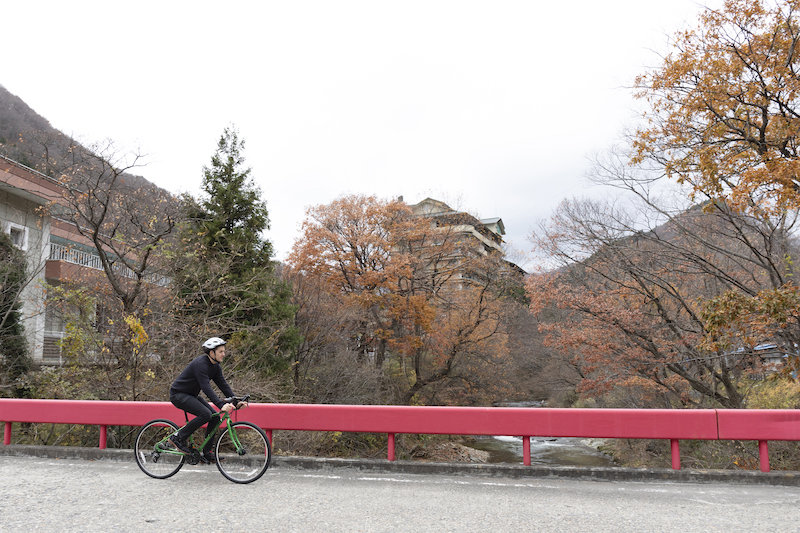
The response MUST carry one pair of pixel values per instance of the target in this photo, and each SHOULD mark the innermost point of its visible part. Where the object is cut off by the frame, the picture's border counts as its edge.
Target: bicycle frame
(225, 420)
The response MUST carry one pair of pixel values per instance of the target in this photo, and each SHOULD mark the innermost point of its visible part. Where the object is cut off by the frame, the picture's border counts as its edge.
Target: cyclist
(185, 391)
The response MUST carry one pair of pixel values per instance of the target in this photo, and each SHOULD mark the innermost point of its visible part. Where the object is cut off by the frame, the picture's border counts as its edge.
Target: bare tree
(633, 279)
(125, 222)
(109, 317)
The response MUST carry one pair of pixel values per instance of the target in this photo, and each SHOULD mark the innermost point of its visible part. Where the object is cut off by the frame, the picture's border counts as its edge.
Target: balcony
(62, 257)
(59, 252)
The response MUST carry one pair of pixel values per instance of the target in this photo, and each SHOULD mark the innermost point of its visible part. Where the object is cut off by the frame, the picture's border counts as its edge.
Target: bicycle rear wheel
(154, 455)
(243, 452)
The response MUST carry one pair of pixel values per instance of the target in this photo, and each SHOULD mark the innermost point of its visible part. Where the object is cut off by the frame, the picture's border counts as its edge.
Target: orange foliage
(353, 244)
(723, 107)
(420, 292)
(600, 327)
(625, 319)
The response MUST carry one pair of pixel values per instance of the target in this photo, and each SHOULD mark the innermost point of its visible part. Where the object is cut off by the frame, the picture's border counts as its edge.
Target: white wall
(17, 212)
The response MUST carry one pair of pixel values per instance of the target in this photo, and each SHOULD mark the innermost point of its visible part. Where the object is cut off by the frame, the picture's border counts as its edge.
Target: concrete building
(54, 250)
(24, 197)
(486, 235)
(475, 238)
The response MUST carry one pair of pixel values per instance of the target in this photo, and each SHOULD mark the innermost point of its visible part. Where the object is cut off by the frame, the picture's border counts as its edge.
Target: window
(19, 236)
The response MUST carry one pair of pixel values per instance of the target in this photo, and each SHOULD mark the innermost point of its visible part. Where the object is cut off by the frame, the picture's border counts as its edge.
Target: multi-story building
(54, 250)
(485, 236)
(469, 238)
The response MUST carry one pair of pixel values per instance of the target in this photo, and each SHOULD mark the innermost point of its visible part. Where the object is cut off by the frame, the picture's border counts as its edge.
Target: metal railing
(60, 252)
(670, 424)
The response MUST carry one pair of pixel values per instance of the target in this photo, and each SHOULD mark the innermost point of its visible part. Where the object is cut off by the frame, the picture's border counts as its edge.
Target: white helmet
(213, 343)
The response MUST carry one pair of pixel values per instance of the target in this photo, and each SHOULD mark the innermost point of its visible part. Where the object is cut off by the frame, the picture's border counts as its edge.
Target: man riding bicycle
(185, 391)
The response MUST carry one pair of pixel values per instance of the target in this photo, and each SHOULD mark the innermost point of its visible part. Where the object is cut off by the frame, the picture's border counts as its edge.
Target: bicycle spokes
(243, 452)
(153, 456)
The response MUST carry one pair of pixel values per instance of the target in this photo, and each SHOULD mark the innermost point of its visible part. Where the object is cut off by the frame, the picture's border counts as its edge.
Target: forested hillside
(30, 139)
(18, 121)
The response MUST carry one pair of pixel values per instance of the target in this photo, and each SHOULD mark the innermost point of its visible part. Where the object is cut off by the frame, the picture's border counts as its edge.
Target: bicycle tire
(150, 460)
(247, 463)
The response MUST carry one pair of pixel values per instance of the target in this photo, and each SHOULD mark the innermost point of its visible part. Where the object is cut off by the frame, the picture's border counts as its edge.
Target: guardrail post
(269, 436)
(103, 437)
(526, 451)
(763, 455)
(390, 446)
(676, 454)
(7, 434)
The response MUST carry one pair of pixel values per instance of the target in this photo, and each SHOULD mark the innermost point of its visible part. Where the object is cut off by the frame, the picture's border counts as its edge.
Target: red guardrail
(672, 424)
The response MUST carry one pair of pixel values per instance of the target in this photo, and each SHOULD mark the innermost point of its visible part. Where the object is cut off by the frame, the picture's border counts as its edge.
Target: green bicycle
(242, 449)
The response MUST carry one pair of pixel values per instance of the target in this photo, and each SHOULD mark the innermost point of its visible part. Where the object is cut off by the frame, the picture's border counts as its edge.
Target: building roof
(495, 224)
(431, 207)
(435, 208)
(27, 183)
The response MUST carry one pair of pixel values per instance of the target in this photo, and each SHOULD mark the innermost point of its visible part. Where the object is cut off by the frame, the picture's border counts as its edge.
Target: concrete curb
(452, 469)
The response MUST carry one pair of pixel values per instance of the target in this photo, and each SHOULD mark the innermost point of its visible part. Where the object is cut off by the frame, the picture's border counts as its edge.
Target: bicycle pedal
(194, 459)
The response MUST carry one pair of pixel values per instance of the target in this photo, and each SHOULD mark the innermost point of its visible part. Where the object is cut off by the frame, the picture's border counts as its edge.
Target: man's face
(219, 353)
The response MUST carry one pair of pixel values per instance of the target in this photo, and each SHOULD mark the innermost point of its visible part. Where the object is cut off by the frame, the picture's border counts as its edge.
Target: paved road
(44, 495)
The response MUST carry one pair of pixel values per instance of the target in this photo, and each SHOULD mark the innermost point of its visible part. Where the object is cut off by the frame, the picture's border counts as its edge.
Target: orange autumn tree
(724, 119)
(401, 274)
(351, 244)
(724, 114)
(464, 358)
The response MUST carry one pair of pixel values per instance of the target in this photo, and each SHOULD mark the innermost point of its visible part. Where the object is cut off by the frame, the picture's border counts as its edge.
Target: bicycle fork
(235, 439)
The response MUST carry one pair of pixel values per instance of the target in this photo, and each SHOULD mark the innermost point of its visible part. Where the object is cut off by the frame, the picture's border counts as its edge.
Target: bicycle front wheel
(154, 455)
(243, 452)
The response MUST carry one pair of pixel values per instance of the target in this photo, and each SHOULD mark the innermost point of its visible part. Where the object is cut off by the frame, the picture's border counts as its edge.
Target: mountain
(19, 127)
(28, 138)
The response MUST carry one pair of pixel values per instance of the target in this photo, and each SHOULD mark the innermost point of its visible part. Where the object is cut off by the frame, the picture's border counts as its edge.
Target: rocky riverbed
(482, 449)
(550, 451)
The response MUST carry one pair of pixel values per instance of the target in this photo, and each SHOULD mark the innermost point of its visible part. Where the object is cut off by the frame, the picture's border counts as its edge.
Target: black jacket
(197, 376)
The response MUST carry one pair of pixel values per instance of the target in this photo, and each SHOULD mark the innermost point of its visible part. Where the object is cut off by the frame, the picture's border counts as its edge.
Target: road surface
(43, 495)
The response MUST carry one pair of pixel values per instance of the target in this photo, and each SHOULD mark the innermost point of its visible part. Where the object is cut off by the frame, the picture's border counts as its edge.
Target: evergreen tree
(14, 358)
(234, 216)
(226, 280)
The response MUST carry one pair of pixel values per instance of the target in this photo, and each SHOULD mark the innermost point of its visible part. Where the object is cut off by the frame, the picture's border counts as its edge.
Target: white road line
(702, 501)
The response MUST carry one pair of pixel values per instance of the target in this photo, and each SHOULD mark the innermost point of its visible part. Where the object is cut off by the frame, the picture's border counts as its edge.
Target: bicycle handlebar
(236, 400)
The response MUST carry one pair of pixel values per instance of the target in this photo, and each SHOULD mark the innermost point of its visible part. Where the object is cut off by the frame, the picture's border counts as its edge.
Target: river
(544, 450)
(549, 451)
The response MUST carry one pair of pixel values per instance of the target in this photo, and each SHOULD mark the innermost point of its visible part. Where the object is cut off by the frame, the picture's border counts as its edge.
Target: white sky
(493, 107)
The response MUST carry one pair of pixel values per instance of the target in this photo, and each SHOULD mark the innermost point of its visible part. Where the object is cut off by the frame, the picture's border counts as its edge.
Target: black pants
(196, 406)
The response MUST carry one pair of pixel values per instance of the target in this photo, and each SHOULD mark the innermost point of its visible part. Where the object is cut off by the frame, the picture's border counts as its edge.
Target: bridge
(671, 424)
(71, 490)
(46, 494)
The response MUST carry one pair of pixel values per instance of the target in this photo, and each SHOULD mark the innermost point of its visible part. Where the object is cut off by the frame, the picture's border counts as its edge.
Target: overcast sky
(494, 107)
